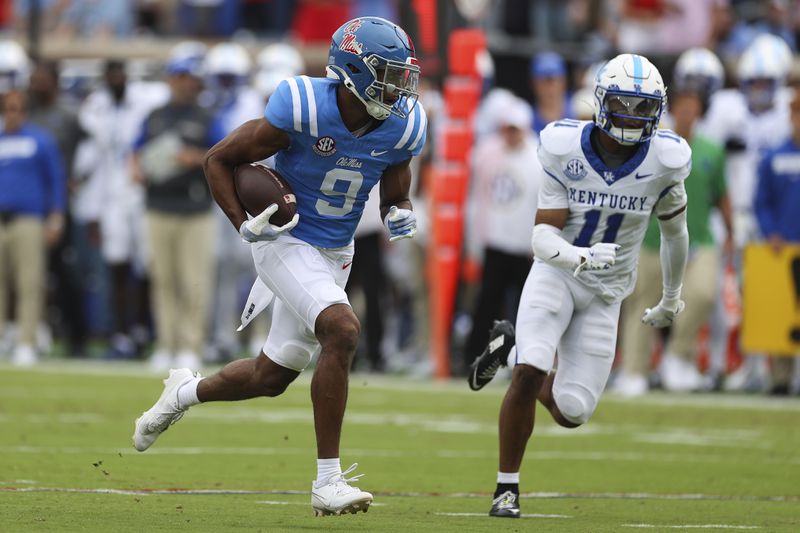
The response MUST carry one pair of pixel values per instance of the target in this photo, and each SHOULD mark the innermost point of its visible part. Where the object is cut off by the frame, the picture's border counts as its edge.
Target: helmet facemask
(394, 89)
(629, 117)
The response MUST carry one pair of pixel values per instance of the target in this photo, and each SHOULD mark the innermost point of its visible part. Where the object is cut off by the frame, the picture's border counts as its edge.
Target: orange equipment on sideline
(449, 184)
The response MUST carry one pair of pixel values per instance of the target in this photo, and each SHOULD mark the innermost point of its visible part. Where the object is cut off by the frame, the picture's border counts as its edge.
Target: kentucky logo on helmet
(349, 42)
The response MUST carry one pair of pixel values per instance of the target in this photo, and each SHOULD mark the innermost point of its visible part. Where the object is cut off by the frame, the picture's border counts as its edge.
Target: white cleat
(337, 497)
(164, 413)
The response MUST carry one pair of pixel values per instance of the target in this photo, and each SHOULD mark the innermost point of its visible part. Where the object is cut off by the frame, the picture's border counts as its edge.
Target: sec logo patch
(575, 169)
(325, 146)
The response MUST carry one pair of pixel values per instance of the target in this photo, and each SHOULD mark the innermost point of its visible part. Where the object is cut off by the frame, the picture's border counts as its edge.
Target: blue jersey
(330, 170)
(778, 192)
(32, 178)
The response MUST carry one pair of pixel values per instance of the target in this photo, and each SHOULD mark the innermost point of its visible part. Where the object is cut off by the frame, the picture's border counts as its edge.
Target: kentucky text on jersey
(613, 201)
(330, 170)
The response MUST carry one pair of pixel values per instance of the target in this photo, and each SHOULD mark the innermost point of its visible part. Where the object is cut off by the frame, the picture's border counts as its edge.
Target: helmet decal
(349, 42)
(374, 59)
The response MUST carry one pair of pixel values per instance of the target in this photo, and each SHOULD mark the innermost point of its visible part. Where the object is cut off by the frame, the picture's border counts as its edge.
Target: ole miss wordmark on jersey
(330, 170)
(611, 205)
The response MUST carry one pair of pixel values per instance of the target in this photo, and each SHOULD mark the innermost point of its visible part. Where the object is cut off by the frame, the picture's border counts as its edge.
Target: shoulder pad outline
(672, 150)
(560, 137)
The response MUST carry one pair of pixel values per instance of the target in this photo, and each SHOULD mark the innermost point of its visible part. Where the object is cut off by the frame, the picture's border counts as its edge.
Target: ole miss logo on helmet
(349, 42)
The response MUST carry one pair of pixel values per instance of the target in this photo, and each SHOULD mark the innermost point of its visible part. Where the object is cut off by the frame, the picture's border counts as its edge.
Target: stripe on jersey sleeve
(296, 112)
(555, 178)
(407, 133)
(312, 106)
(423, 123)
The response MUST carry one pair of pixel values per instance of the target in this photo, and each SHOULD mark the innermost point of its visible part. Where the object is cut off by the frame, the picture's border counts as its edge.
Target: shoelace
(506, 499)
(340, 478)
(490, 370)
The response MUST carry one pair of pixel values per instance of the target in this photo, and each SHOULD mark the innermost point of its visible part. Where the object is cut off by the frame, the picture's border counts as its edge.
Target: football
(259, 186)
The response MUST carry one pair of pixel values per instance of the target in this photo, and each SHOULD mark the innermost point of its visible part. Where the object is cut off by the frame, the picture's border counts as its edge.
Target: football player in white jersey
(604, 179)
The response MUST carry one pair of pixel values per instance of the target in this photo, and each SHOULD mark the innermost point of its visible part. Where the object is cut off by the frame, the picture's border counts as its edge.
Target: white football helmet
(276, 62)
(699, 69)
(762, 68)
(629, 98)
(228, 59)
(15, 67)
(187, 56)
(281, 56)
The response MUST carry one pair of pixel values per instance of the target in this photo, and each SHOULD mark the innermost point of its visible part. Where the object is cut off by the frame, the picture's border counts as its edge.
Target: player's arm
(550, 246)
(674, 253)
(396, 209)
(252, 141)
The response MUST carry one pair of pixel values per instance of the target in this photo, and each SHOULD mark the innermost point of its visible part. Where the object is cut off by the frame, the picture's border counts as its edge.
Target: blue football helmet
(374, 59)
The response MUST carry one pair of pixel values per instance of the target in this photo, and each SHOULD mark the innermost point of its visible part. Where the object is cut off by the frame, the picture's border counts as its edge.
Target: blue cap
(548, 65)
(185, 65)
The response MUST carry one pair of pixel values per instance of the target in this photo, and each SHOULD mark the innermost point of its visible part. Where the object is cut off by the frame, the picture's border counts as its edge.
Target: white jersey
(729, 118)
(611, 205)
(505, 189)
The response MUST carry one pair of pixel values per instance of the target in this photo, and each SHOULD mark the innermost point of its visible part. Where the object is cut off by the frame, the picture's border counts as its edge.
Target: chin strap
(374, 109)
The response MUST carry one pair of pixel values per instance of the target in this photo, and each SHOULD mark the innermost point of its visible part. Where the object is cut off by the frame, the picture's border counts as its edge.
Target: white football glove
(259, 229)
(402, 223)
(598, 257)
(663, 314)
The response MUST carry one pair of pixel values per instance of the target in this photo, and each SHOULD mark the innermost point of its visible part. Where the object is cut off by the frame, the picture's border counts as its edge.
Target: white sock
(327, 468)
(187, 393)
(508, 477)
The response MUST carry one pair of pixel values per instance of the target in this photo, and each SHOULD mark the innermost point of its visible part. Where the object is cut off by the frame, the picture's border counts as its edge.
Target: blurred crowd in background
(112, 248)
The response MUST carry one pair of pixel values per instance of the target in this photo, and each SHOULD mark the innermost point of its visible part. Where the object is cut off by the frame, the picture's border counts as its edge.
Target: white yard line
(689, 526)
(368, 452)
(524, 515)
(402, 494)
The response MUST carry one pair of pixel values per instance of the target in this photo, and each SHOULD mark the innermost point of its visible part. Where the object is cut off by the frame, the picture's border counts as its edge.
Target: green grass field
(427, 450)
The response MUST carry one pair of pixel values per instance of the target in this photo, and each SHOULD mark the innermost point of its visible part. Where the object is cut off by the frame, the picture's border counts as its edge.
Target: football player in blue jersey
(603, 181)
(334, 139)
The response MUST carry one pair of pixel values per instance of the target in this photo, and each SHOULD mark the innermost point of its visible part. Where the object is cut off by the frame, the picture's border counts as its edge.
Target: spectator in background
(112, 116)
(32, 199)
(549, 85)
(369, 274)
(47, 112)
(706, 188)
(180, 223)
(669, 26)
(776, 203)
(14, 67)
(502, 207)
(233, 101)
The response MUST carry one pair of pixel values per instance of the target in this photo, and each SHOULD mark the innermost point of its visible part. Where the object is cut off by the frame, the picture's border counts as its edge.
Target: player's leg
(700, 286)
(546, 307)
(585, 356)
(637, 339)
(337, 330)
